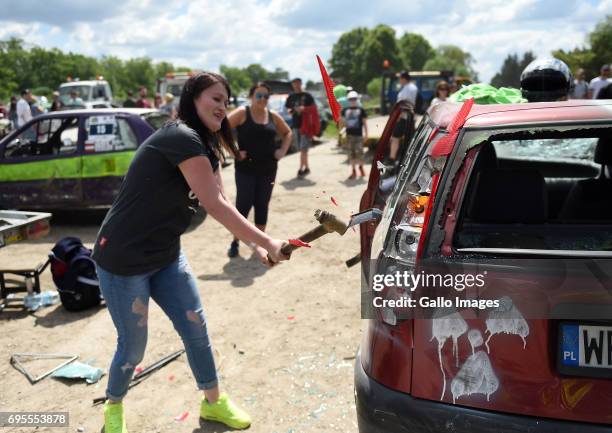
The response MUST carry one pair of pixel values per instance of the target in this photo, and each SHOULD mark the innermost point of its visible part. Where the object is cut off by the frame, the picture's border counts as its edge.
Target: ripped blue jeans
(174, 289)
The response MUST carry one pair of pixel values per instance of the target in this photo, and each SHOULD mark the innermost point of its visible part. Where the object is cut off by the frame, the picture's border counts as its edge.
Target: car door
(40, 166)
(109, 146)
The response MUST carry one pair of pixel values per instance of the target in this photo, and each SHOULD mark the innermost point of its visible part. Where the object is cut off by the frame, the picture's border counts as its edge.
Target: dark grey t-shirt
(142, 230)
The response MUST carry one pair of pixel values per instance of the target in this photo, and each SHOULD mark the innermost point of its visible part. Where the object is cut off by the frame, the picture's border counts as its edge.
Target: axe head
(330, 222)
(365, 216)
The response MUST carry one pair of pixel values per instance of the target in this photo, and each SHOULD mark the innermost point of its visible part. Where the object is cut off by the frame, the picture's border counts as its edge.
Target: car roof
(496, 115)
(99, 111)
(83, 83)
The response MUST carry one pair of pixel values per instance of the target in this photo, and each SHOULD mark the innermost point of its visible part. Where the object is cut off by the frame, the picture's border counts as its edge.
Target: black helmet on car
(546, 79)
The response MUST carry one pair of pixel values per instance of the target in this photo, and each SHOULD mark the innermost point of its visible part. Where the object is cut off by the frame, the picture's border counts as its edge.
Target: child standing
(354, 119)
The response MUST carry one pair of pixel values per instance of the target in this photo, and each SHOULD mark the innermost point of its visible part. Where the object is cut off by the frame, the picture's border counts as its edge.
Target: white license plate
(585, 348)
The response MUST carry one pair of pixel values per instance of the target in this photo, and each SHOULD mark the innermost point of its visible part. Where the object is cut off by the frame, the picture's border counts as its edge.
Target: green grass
(371, 103)
(331, 131)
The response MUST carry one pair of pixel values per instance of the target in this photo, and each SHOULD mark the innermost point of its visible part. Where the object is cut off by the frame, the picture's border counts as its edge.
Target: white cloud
(288, 33)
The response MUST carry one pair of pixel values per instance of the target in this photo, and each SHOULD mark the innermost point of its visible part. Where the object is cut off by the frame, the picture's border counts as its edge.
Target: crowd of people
(21, 110)
(27, 106)
(599, 87)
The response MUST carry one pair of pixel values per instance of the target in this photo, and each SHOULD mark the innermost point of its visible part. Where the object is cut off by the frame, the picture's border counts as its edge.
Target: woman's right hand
(243, 155)
(274, 251)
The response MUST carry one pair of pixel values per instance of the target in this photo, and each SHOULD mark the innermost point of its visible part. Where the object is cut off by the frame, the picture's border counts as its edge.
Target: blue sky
(288, 33)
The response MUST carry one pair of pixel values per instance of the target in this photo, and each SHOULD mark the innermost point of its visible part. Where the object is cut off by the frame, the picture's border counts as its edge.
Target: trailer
(16, 226)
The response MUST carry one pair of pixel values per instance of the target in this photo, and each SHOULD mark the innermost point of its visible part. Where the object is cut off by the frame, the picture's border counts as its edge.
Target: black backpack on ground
(74, 274)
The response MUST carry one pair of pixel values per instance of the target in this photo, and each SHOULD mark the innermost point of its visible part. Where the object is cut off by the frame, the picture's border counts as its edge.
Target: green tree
(415, 50)
(140, 72)
(346, 61)
(579, 58)
(162, 68)
(113, 71)
(601, 40)
(13, 58)
(451, 57)
(510, 73)
(379, 45)
(26, 66)
(256, 73)
(238, 79)
(597, 52)
(374, 88)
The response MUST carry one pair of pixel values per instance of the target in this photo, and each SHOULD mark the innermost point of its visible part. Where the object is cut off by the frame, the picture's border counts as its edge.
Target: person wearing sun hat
(354, 119)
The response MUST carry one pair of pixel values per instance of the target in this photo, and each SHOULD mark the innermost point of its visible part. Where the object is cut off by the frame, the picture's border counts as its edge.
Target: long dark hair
(187, 112)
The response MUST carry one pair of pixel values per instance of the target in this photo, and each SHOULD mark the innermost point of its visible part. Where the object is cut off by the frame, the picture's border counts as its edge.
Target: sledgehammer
(328, 223)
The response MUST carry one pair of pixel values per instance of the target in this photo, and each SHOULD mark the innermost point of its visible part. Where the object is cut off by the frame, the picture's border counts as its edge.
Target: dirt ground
(284, 338)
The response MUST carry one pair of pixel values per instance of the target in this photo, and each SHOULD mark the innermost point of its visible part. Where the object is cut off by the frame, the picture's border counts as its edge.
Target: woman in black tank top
(257, 128)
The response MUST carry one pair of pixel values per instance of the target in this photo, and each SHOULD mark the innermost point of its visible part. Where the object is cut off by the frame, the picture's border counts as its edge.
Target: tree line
(590, 57)
(24, 66)
(361, 55)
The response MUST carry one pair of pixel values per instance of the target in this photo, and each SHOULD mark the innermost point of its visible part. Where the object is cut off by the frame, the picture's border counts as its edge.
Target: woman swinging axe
(138, 251)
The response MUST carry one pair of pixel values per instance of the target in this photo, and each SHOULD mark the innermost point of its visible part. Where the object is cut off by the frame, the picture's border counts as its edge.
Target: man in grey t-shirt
(581, 87)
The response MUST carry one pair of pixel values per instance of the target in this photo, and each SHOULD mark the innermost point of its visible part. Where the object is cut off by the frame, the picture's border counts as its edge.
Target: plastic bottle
(49, 297)
(34, 301)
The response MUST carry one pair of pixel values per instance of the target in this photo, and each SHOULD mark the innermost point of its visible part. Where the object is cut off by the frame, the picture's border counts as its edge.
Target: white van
(92, 94)
(173, 83)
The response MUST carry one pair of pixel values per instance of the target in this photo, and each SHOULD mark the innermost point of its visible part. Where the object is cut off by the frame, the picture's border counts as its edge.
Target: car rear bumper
(383, 410)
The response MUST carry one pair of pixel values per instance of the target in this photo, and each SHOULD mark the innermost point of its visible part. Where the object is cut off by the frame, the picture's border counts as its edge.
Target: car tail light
(406, 238)
(390, 335)
(434, 187)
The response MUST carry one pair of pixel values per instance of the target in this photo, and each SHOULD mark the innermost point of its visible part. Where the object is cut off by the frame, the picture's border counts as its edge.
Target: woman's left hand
(279, 153)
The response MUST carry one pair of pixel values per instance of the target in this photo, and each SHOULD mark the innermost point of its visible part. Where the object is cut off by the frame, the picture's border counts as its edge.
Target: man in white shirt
(24, 112)
(600, 82)
(408, 92)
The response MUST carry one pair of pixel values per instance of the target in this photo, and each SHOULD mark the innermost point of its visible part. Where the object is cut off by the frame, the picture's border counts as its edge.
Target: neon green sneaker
(225, 411)
(114, 421)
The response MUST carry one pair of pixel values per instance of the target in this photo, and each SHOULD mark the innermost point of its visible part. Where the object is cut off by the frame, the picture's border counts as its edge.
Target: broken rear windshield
(539, 190)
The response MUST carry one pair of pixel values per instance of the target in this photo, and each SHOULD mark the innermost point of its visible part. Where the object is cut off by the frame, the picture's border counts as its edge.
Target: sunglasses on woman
(259, 96)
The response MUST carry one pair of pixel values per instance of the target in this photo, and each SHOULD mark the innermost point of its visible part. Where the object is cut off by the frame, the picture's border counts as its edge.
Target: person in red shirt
(143, 102)
(296, 102)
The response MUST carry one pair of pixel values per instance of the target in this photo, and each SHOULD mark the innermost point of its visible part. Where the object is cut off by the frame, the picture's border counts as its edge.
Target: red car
(515, 200)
